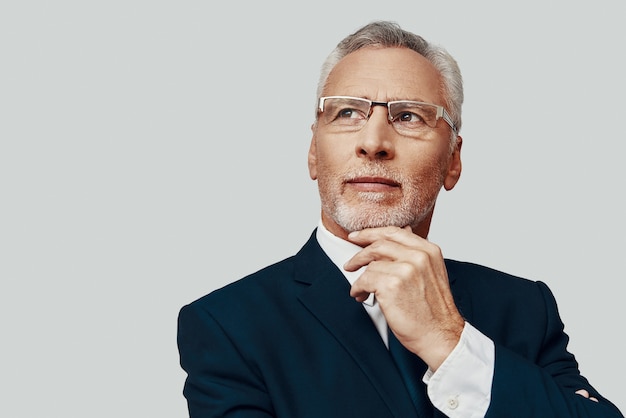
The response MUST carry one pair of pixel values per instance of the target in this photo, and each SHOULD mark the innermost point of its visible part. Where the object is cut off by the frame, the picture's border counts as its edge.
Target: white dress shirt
(461, 386)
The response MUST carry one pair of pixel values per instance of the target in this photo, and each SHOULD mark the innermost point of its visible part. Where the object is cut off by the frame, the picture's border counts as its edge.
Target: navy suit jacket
(289, 341)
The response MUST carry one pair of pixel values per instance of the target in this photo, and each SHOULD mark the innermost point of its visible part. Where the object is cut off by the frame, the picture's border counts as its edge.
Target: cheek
(327, 174)
(429, 174)
(332, 160)
(438, 162)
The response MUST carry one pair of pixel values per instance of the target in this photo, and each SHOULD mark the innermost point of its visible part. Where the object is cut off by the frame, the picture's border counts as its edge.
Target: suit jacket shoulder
(288, 340)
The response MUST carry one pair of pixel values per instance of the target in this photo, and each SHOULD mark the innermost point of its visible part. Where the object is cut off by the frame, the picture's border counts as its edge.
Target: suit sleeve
(546, 386)
(219, 381)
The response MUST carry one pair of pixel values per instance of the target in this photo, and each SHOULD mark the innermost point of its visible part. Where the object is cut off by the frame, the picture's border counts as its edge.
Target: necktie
(411, 368)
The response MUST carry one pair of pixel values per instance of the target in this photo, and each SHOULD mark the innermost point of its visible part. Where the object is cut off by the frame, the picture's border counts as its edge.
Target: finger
(584, 393)
(367, 236)
(380, 276)
(359, 295)
(367, 283)
(377, 251)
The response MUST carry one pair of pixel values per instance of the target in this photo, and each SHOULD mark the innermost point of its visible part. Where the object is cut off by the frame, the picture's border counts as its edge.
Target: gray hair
(388, 35)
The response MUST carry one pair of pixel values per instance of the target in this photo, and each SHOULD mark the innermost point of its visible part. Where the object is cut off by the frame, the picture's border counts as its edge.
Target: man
(318, 334)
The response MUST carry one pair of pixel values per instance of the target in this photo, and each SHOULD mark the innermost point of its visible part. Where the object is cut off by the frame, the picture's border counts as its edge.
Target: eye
(348, 113)
(409, 117)
(413, 115)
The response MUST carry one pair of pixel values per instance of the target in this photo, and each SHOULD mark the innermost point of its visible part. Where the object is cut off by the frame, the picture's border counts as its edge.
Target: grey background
(152, 151)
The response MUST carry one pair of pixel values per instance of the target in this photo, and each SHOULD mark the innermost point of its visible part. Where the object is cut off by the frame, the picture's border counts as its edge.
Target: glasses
(409, 118)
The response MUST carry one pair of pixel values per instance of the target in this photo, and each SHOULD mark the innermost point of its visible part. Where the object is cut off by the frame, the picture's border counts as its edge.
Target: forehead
(385, 74)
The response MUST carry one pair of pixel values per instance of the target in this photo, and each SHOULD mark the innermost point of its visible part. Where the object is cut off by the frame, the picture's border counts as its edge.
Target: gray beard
(352, 218)
(371, 211)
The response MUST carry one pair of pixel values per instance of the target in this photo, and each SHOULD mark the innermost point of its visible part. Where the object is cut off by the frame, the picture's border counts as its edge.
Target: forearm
(461, 386)
(521, 388)
(475, 382)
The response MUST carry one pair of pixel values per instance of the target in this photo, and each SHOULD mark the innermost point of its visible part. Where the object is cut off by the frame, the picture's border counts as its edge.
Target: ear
(454, 166)
(312, 157)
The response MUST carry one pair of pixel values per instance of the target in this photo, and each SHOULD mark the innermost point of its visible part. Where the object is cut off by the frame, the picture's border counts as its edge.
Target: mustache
(373, 170)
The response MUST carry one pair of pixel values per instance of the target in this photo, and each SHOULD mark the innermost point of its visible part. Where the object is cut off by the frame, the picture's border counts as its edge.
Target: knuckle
(420, 257)
(434, 249)
(393, 284)
(407, 269)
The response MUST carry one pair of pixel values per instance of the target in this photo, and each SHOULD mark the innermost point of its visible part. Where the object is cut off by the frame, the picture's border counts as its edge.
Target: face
(375, 176)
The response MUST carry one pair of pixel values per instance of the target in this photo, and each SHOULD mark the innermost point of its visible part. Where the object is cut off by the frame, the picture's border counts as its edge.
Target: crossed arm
(409, 278)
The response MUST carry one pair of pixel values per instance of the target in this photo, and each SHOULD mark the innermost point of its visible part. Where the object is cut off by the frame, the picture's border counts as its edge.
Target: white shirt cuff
(461, 386)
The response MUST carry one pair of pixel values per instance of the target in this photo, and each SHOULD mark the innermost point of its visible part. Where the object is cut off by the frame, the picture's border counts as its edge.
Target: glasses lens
(413, 116)
(346, 112)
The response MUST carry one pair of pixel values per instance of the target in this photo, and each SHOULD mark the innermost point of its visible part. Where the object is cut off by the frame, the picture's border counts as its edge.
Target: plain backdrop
(152, 151)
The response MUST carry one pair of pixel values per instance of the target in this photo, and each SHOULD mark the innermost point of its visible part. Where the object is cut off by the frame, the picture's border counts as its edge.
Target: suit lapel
(328, 299)
(461, 299)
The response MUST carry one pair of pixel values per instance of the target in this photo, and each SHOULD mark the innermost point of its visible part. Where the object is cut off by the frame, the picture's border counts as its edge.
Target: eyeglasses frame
(442, 113)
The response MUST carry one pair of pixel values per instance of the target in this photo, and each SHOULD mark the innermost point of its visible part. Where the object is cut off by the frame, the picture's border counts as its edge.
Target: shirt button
(453, 403)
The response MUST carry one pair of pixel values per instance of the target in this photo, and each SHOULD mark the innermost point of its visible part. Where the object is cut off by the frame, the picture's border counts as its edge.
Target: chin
(352, 220)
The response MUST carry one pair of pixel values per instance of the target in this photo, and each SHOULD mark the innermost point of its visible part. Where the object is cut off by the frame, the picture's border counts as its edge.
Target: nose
(376, 138)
